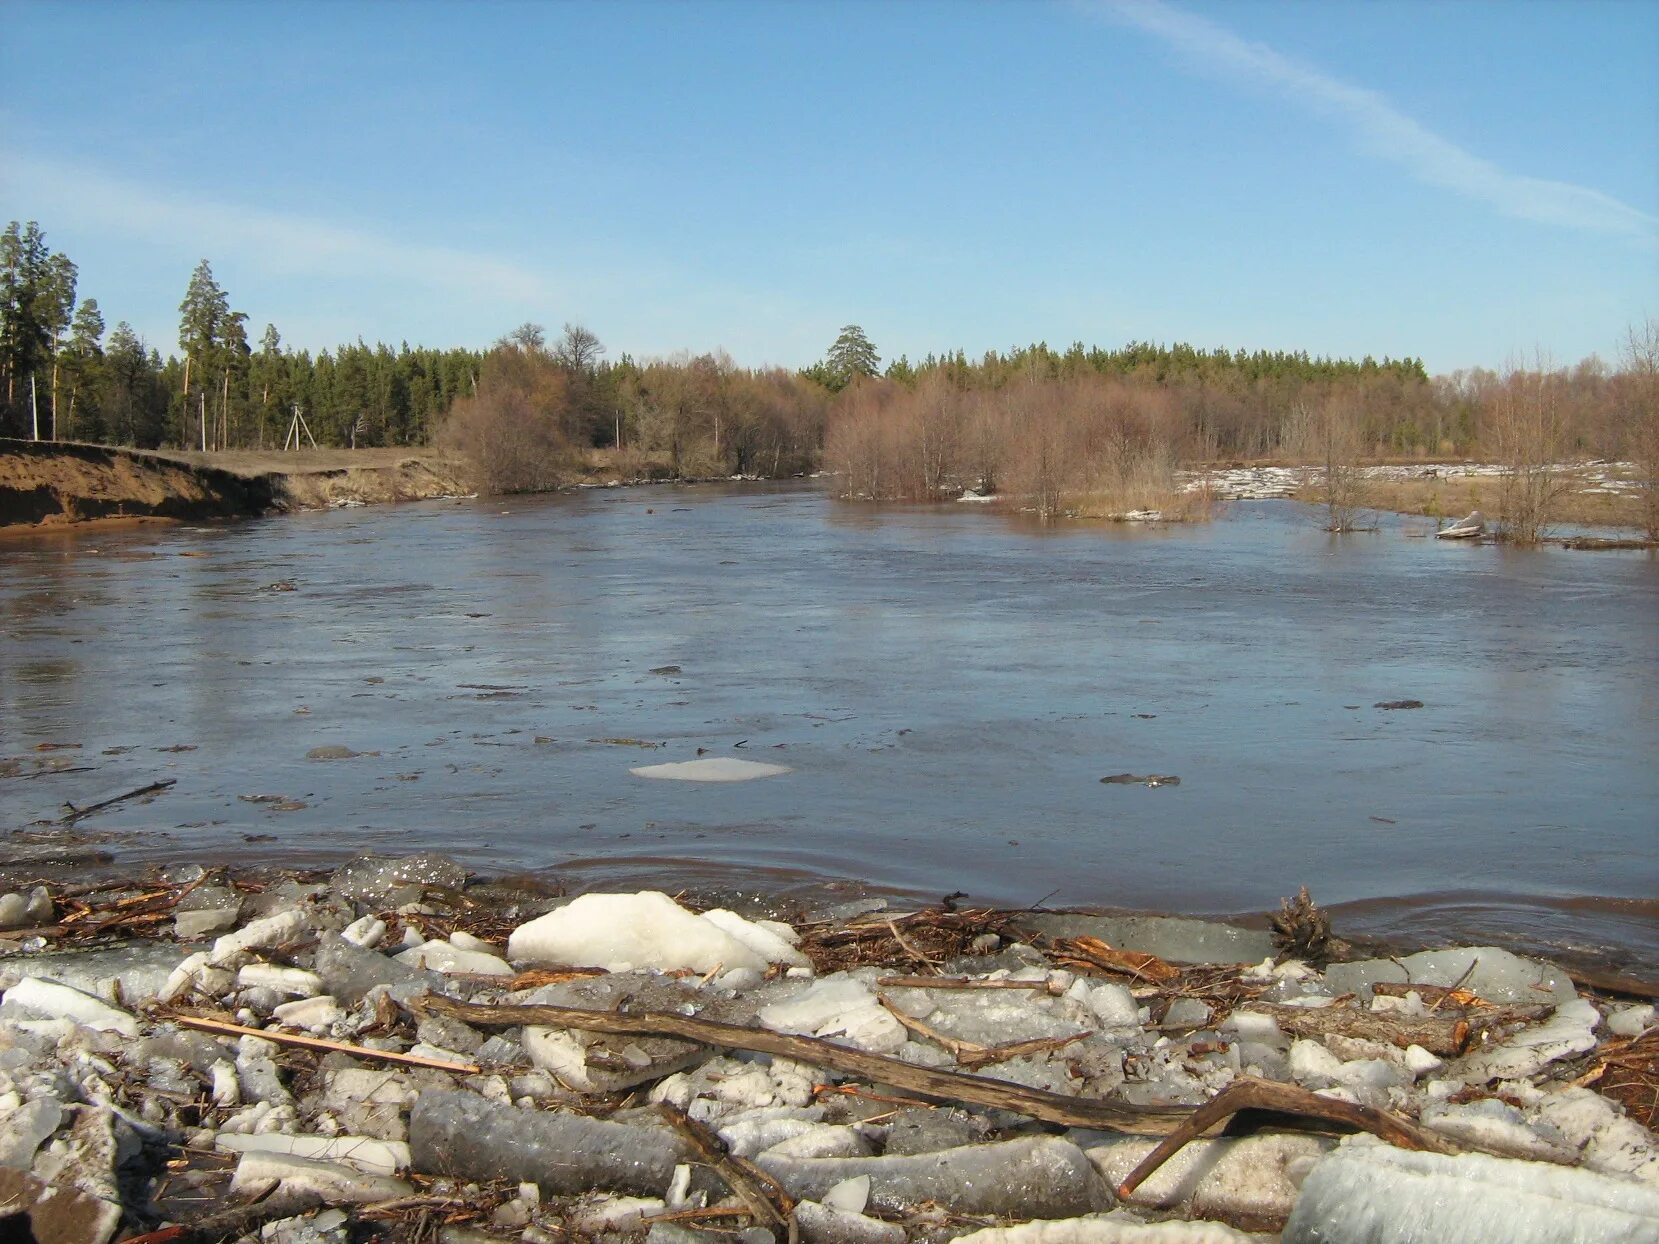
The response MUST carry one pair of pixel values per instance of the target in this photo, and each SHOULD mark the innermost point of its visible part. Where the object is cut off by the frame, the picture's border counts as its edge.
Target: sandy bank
(55, 484)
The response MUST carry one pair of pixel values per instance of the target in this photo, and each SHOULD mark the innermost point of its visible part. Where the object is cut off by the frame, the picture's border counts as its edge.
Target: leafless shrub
(1641, 359)
(1525, 428)
(515, 430)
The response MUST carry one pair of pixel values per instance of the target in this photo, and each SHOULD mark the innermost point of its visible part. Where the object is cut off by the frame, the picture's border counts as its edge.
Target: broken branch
(1253, 1094)
(318, 1043)
(74, 814)
(763, 1196)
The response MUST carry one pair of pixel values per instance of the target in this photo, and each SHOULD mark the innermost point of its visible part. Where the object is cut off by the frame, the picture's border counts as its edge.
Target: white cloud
(1384, 129)
(281, 243)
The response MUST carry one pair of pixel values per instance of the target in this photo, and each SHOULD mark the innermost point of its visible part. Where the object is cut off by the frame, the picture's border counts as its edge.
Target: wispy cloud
(282, 243)
(1383, 128)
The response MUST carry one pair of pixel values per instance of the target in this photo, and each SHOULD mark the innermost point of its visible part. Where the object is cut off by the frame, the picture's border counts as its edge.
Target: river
(948, 688)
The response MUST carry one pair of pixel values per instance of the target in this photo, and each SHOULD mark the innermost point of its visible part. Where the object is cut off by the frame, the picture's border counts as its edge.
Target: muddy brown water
(948, 686)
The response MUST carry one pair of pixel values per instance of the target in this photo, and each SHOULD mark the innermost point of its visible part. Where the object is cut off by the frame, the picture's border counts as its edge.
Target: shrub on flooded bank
(542, 418)
(1089, 446)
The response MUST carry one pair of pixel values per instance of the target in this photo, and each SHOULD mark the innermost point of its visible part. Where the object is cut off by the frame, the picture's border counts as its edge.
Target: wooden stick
(1019, 1049)
(762, 1195)
(929, 1081)
(74, 814)
(958, 982)
(954, 1046)
(909, 949)
(1253, 1094)
(970, 1054)
(317, 1043)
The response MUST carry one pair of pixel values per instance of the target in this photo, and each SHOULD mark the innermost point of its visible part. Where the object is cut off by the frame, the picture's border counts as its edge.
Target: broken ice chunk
(838, 1006)
(461, 1134)
(1571, 1030)
(37, 997)
(1485, 971)
(1496, 1127)
(587, 1064)
(711, 769)
(1254, 1177)
(1117, 1227)
(622, 931)
(1035, 1177)
(285, 926)
(448, 958)
(305, 1182)
(821, 1224)
(762, 937)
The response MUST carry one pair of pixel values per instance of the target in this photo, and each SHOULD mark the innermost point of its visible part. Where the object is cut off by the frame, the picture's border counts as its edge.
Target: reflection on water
(949, 688)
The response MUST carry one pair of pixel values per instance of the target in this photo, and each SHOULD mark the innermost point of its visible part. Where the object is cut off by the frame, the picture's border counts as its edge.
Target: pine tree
(25, 338)
(82, 360)
(202, 323)
(850, 357)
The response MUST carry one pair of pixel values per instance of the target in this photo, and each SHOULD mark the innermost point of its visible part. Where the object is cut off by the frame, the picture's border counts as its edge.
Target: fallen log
(927, 1081)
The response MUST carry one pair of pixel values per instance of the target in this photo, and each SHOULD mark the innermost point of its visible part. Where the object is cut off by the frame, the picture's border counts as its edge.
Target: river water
(948, 687)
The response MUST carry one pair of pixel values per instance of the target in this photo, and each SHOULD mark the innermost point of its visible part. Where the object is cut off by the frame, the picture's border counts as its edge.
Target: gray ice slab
(464, 1135)
(1371, 1193)
(1036, 1177)
(1176, 938)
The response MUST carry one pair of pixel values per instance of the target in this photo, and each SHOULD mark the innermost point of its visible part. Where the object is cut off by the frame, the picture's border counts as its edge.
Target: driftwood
(1302, 929)
(1092, 953)
(962, 982)
(763, 1196)
(928, 1081)
(1178, 1125)
(1445, 1035)
(74, 814)
(318, 1043)
(1254, 1094)
(971, 1054)
(1436, 996)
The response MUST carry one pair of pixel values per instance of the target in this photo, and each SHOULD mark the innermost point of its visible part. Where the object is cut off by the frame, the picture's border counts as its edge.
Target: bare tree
(579, 350)
(531, 338)
(1641, 363)
(1344, 487)
(1528, 435)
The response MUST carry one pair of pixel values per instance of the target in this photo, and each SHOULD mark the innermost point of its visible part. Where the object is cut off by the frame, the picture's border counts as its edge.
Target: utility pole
(34, 406)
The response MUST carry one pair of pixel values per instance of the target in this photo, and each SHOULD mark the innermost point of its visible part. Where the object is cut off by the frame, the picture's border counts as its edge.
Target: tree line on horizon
(533, 411)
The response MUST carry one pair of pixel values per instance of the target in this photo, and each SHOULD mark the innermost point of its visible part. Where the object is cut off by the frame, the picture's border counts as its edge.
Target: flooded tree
(1641, 370)
(1526, 434)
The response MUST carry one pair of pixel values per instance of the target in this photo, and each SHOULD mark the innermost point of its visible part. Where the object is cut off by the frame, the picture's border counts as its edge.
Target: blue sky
(1464, 182)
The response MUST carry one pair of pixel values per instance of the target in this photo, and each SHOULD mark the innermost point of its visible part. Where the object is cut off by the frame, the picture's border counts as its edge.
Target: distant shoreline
(49, 486)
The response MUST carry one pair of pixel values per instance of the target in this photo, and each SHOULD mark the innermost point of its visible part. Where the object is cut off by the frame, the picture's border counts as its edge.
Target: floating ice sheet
(715, 769)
